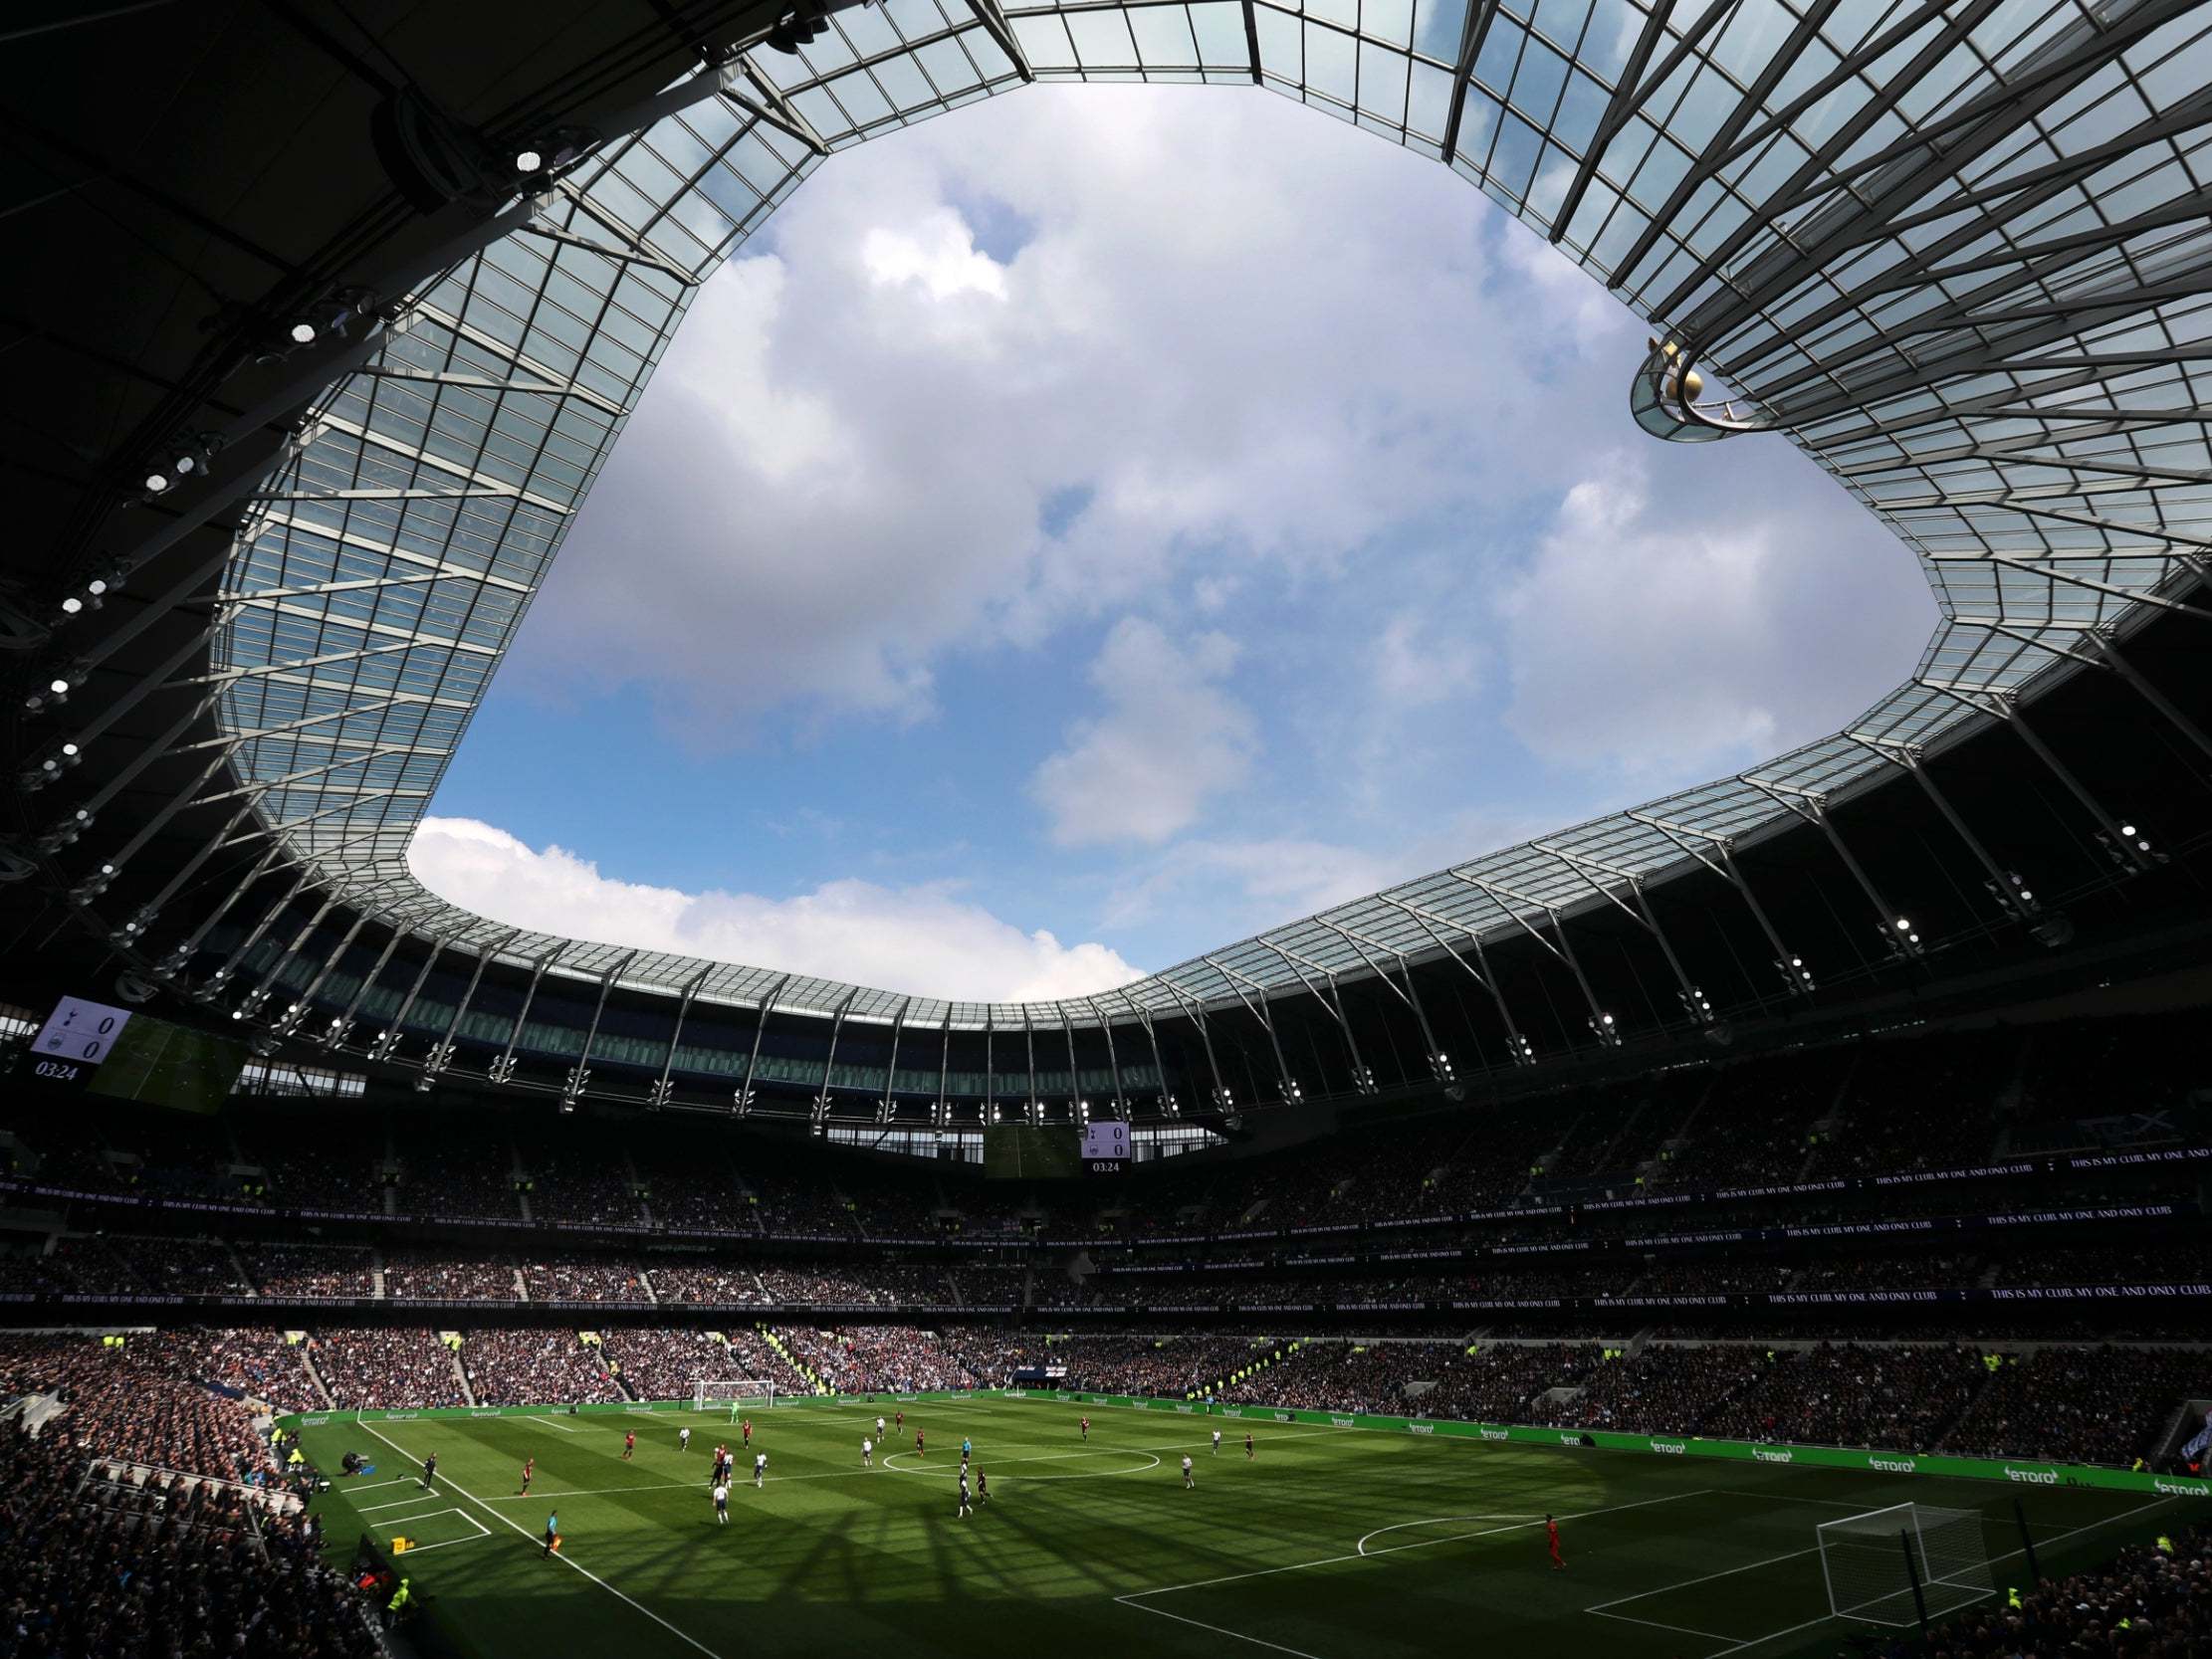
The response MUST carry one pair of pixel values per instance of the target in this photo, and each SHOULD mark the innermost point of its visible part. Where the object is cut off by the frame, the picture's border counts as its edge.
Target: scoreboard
(1105, 1146)
(1054, 1151)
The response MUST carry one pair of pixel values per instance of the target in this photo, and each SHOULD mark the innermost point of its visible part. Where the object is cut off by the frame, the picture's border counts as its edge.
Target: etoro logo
(2171, 1489)
(2032, 1477)
(1283, 1418)
(1676, 1447)
(1340, 1422)
(401, 1416)
(1893, 1465)
(1423, 1428)
(315, 1422)
(1767, 1454)
(1495, 1433)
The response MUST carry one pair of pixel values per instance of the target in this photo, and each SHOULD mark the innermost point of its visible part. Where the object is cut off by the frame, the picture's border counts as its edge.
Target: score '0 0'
(99, 1040)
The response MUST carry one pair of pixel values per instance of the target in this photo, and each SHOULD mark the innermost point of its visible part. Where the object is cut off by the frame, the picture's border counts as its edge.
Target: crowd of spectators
(386, 1369)
(666, 1363)
(801, 1204)
(889, 1285)
(1347, 1376)
(160, 1568)
(2147, 1602)
(587, 1185)
(867, 1358)
(128, 1402)
(989, 1287)
(2081, 1405)
(427, 1273)
(253, 1362)
(690, 1189)
(1752, 1126)
(1665, 1277)
(719, 1283)
(465, 1171)
(583, 1278)
(1919, 1104)
(310, 1270)
(2166, 1261)
(1892, 1271)
(535, 1366)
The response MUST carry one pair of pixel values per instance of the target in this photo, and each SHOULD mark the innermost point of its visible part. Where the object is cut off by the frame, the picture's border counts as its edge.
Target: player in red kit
(530, 1467)
(749, 1433)
(1551, 1532)
(898, 1421)
(917, 1451)
(1087, 1427)
(630, 1444)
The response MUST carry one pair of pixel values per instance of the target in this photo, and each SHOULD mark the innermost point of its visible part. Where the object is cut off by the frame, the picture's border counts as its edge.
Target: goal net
(735, 1396)
(1873, 1563)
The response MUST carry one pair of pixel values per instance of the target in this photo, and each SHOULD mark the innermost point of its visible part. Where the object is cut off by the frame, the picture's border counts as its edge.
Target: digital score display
(1105, 1146)
(79, 1034)
(103, 1050)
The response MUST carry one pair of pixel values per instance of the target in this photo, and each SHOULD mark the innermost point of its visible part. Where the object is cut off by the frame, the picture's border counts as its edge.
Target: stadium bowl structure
(1956, 251)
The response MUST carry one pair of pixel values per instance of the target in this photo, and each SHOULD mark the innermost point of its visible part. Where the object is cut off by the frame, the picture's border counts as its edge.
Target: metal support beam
(2108, 647)
(581, 1074)
(1197, 1011)
(1258, 1011)
(662, 1091)
(753, 1060)
(441, 1052)
(1472, 32)
(891, 1072)
(829, 1064)
(342, 1025)
(1786, 962)
(504, 1067)
(1814, 811)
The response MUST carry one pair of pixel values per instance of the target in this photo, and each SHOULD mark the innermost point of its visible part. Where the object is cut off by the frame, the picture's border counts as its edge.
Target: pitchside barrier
(2018, 1472)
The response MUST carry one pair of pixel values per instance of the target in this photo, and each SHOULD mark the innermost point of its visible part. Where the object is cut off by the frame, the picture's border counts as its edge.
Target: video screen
(129, 1056)
(1030, 1152)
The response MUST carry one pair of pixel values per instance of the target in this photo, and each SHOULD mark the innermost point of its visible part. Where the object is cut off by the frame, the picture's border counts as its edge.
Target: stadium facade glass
(1954, 250)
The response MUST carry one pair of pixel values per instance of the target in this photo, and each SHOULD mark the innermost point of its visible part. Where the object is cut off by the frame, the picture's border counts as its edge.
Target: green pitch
(1328, 1543)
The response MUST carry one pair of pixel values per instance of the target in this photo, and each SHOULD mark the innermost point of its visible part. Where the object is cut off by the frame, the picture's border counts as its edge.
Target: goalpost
(742, 1394)
(1900, 1564)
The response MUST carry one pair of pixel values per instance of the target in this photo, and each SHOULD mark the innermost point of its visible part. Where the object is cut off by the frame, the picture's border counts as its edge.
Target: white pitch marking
(1679, 1629)
(1332, 1560)
(688, 1641)
(1219, 1631)
(1434, 1521)
(1737, 1644)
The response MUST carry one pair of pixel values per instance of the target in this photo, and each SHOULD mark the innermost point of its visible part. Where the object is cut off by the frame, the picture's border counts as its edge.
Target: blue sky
(1096, 525)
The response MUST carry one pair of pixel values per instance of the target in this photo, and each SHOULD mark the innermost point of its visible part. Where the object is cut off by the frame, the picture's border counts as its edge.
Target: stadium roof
(1954, 250)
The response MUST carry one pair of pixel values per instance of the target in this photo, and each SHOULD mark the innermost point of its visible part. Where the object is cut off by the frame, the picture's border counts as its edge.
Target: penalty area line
(688, 1641)
(1218, 1629)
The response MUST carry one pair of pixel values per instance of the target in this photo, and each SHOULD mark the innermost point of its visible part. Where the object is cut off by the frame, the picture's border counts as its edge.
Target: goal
(1885, 1565)
(741, 1395)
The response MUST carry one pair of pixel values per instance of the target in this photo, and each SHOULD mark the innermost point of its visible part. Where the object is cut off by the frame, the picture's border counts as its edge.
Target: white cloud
(1416, 662)
(939, 253)
(922, 940)
(1171, 737)
(1667, 635)
(837, 474)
